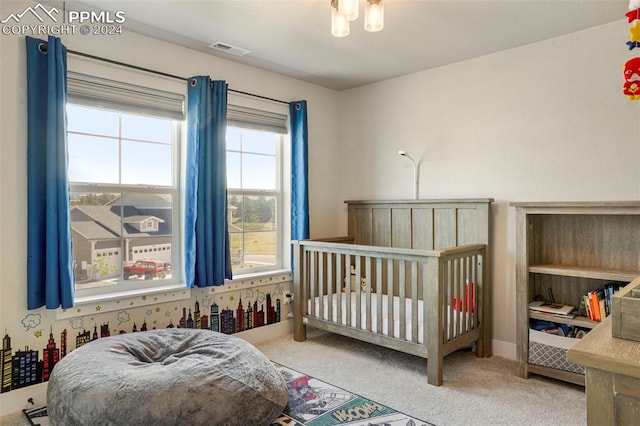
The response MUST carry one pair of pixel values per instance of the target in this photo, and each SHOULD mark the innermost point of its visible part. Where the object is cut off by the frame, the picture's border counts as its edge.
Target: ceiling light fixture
(343, 11)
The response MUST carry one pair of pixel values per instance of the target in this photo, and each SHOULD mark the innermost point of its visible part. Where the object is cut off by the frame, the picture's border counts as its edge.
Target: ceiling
(292, 37)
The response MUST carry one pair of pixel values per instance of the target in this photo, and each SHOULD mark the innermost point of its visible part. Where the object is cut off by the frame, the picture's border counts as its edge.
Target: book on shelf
(565, 311)
(598, 302)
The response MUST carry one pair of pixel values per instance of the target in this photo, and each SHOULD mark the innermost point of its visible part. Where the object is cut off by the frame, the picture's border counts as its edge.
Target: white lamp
(373, 15)
(348, 8)
(415, 172)
(339, 21)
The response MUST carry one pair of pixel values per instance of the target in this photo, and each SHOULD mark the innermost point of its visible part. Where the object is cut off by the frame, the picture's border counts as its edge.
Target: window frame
(95, 83)
(175, 190)
(111, 298)
(277, 193)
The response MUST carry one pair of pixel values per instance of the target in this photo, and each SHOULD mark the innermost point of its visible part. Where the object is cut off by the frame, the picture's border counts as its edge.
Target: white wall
(543, 122)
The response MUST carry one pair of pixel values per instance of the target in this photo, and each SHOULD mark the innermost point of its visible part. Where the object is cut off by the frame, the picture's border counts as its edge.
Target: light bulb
(348, 8)
(339, 22)
(374, 15)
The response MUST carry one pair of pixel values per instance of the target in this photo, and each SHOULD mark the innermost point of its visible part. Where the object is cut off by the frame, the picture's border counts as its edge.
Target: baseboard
(504, 349)
(269, 332)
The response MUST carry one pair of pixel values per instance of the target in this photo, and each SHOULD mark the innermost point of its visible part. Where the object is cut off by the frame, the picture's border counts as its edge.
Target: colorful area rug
(313, 402)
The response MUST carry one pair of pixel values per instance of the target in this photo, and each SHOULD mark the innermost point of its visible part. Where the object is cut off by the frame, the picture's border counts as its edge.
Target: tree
(102, 268)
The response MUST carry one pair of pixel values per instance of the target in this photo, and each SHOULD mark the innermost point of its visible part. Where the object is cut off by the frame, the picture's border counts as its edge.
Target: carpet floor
(476, 391)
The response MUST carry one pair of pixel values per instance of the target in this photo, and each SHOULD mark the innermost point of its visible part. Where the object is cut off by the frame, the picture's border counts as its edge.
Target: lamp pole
(415, 172)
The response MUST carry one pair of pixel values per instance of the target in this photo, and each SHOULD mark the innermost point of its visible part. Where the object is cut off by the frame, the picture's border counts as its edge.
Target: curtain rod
(164, 74)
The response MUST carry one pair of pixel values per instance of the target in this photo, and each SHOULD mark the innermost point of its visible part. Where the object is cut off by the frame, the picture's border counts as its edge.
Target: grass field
(258, 248)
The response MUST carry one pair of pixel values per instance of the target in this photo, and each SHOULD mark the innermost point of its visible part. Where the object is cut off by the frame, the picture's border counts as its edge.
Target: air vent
(227, 48)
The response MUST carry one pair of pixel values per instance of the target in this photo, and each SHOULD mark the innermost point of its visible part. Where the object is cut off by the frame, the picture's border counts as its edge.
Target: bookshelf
(570, 248)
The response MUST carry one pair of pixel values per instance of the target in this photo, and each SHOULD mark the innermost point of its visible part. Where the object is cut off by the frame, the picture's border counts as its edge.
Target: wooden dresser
(612, 376)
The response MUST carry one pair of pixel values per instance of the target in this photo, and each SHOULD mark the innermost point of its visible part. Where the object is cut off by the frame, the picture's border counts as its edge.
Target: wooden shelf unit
(570, 248)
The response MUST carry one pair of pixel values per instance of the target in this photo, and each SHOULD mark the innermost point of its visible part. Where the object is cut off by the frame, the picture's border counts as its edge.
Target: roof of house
(90, 230)
(102, 222)
(102, 215)
(141, 218)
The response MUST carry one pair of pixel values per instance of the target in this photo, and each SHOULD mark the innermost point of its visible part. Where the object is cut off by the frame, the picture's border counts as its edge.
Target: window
(124, 197)
(254, 199)
(124, 150)
(125, 153)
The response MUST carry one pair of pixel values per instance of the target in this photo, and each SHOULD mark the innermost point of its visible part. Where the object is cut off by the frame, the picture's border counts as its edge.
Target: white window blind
(250, 118)
(100, 92)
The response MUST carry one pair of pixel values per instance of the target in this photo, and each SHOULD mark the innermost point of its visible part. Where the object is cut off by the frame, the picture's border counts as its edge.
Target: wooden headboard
(420, 224)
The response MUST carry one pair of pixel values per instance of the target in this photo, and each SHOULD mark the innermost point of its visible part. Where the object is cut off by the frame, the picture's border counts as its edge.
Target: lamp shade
(348, 8)
(339, 22)
(373, 15)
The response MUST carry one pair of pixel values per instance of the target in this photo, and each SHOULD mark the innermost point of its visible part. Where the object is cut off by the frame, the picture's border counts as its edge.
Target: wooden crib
(412, 276)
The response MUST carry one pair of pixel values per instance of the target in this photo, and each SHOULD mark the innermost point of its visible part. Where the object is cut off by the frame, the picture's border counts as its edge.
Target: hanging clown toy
(631, 70)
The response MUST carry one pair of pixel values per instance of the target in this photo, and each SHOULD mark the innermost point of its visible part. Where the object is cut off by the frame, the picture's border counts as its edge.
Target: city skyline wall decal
(25, 367)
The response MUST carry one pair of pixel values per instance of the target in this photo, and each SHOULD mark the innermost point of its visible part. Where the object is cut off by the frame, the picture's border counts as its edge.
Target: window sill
(96, 304)
(246, 281)
(259, 275)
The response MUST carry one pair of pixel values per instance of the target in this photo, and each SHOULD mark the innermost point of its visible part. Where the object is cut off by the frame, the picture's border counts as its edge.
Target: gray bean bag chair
(166, 377)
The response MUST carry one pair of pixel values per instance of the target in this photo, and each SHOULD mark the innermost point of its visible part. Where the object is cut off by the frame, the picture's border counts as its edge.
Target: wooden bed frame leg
(434, 371)
(478, 346)
(299, 336)
(299, 329)
(485, 349)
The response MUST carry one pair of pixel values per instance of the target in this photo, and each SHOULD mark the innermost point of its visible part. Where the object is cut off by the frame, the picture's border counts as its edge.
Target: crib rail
(427, 303)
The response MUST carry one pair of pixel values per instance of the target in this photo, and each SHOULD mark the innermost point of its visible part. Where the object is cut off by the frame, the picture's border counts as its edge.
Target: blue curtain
(299, 171)
(207, 254)
(49, 257)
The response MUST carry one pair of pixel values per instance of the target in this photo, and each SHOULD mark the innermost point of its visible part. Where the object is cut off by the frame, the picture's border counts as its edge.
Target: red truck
(147, 268)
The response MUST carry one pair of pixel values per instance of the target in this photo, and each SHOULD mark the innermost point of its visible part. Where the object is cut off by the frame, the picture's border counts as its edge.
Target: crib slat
(379, 296)
(347, 282)
(339, 284)
(479, 294)
(391, 326)
(367, 275)
(463, 296)
(403, 307)
(358, 292)
(454, 281)
(458, 321)
(460, 285)
(414, 302)
(467, 295)
(331, 273)
(448, 307)
(320, 285)
(474, 290)
(468, 284)
(312, 282)
(426, 273)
